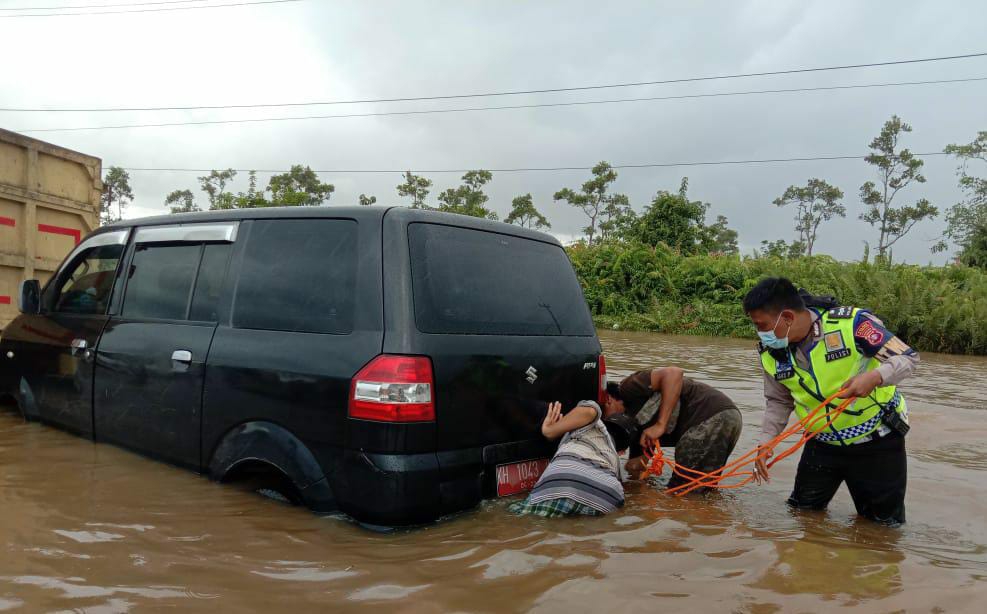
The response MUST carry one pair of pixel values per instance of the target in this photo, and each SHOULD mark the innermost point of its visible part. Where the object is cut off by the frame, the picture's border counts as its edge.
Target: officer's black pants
(875, 474)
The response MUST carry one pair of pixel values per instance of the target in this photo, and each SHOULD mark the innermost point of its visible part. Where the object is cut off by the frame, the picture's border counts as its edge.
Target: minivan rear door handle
(183, 356)
(81, 346)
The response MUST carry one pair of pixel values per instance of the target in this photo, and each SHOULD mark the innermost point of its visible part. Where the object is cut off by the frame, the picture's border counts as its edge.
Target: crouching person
(583, 476)
(700, 422)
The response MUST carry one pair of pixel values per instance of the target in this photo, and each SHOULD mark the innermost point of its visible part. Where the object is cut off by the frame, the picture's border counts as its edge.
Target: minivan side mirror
(30, 296)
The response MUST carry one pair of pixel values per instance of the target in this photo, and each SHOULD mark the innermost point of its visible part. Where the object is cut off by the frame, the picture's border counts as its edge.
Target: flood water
(88, 527)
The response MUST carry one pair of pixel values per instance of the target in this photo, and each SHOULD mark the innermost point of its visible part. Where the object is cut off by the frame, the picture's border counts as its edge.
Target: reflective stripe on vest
(832, 361)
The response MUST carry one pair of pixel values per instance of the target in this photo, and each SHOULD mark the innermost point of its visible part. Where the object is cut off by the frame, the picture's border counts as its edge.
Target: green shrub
(632, 286)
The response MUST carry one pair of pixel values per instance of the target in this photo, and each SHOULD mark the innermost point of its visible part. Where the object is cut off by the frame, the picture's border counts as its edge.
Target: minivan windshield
(469, 281)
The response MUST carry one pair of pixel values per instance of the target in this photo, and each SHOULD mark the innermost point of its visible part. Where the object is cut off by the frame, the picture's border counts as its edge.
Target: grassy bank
(636, 287)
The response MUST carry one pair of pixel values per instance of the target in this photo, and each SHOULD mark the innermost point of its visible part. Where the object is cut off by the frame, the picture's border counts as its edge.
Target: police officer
(810, 353)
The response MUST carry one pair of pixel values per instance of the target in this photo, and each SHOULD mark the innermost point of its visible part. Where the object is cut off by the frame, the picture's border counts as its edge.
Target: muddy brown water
(91, 528)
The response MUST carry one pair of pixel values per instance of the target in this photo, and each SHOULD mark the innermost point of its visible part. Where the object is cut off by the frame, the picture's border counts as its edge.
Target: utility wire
(96, 6)
(532, 169)
(500, 93)
(503, 107)
(154, 10)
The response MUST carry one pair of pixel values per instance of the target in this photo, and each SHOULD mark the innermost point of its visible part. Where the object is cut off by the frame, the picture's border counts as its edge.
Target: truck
(49, 200)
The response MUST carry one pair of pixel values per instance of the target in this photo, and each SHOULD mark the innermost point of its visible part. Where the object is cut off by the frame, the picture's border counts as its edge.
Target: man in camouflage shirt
(700, 422)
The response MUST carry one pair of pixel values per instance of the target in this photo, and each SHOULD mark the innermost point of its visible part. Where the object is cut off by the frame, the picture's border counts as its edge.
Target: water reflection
(833, 561)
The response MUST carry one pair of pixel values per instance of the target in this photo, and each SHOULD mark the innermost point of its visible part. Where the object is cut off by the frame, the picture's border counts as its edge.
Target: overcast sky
(330, 50)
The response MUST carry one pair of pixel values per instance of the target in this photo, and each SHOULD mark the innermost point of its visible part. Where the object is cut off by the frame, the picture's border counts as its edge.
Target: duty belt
(860, 429)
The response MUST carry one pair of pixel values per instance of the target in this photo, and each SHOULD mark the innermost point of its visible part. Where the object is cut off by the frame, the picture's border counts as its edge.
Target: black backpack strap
(819, 301)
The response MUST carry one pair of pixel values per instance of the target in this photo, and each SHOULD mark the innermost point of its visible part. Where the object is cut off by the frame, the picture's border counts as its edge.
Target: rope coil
(695, 479)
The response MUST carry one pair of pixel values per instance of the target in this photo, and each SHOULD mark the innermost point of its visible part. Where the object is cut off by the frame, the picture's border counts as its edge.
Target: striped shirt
(585, 469)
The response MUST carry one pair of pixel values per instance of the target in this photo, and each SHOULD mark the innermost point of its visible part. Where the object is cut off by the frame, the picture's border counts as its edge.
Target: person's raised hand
(554, 415)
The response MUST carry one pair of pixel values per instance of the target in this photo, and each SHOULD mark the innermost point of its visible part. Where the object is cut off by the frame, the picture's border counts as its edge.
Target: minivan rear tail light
(394, 389)
(602, 392)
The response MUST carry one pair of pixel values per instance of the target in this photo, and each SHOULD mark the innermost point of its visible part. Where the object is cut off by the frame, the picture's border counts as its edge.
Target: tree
(781, 249)
(468, 199)
(966, 219)
(592, 197)
(524, 214)
(680, 223)
(214, 185)
(416, 188)
(298, 187)
(816, 202)
(720, 238)
(975, 251)
(181, 201)
(367, 200)
(252, 198)
(617, 217)
(897, 169)
(674, 220)
(116, 191)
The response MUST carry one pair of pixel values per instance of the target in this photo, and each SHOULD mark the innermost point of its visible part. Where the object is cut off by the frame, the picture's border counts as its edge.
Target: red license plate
(519, 477)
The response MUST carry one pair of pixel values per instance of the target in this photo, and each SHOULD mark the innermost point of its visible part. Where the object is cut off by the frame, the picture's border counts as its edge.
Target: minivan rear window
(470, 281)
(298, 276)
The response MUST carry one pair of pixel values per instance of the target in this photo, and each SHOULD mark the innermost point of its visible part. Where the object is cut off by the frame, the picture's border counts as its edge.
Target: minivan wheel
(268, 482)
(270, 493)
(276, 488)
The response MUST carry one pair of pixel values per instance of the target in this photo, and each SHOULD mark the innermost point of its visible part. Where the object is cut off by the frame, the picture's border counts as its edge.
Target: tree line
(671, 218)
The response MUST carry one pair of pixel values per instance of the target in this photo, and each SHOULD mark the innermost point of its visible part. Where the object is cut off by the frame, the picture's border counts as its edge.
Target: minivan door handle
(77, 345)
(182, 356)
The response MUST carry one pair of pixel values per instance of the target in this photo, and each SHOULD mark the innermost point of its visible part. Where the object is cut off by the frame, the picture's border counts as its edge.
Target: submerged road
(93, 528)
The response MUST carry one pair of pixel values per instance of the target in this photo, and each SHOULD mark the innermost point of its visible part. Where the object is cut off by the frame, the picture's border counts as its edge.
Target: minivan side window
(209, 283)
(161, 278)
(88, 284)
(298, 276)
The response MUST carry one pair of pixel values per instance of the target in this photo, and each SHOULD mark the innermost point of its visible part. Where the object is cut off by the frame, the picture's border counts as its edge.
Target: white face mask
(771, 340)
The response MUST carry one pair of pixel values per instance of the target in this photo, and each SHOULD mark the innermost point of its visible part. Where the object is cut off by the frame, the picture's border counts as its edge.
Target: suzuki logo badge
(532, 374)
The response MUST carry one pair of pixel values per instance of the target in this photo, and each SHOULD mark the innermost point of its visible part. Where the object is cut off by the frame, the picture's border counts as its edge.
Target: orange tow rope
(656, 460)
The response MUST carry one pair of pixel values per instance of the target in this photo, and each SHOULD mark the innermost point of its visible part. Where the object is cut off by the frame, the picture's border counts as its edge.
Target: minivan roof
(406, 214)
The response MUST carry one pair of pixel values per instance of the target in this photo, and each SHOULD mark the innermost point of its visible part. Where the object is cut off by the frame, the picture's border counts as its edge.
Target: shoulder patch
(870, 333)
(841, 313)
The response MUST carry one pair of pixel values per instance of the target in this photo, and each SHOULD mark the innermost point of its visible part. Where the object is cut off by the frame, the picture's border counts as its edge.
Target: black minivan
(390, 363)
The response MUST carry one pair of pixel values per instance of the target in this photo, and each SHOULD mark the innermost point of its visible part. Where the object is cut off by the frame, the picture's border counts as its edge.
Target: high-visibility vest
(832, 361)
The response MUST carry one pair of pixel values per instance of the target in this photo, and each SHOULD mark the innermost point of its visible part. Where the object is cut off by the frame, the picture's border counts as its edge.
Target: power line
(505, 107)
(154, 10)
(531, 169)
(96, 6)
(500, 93)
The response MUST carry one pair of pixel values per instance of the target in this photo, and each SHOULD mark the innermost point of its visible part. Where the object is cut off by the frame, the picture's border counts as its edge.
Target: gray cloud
(321, 50)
